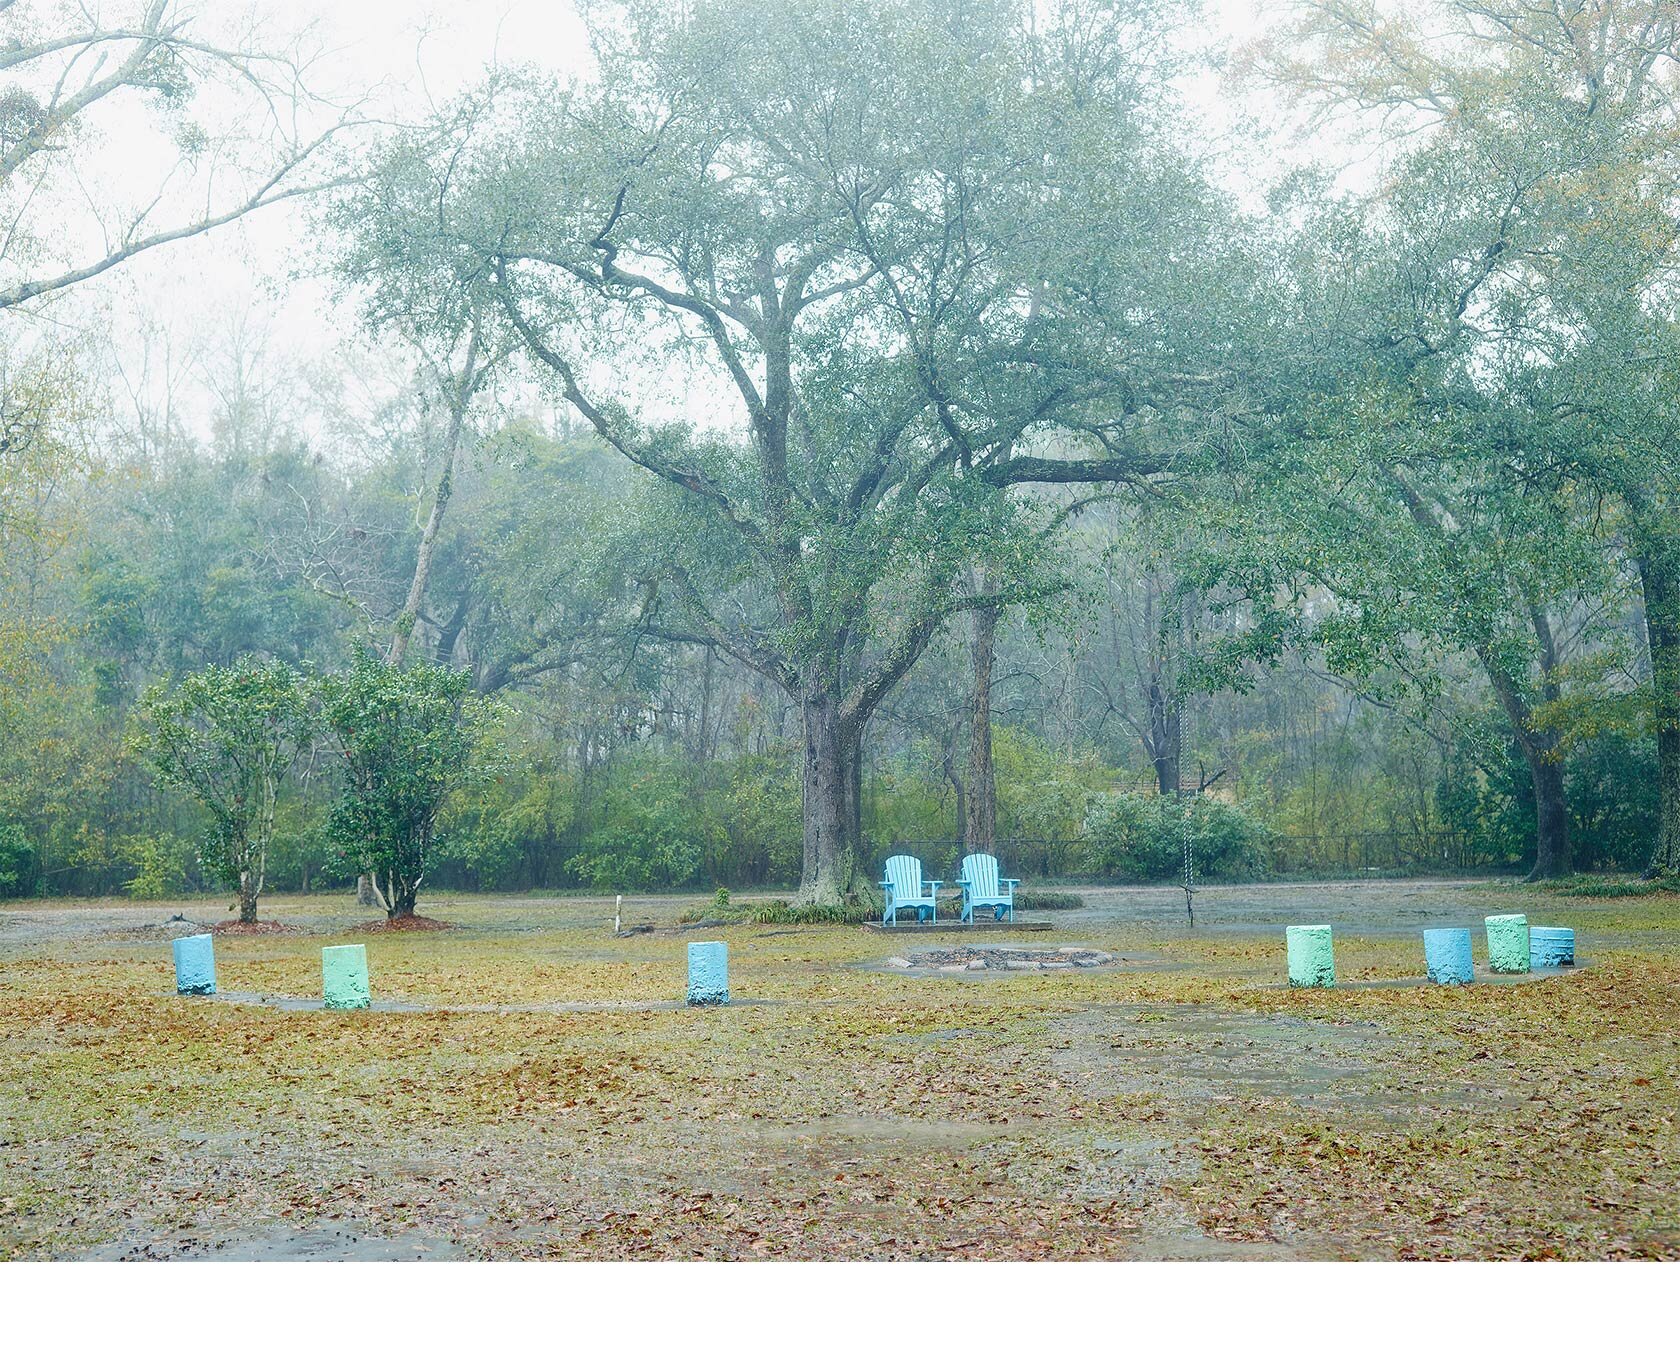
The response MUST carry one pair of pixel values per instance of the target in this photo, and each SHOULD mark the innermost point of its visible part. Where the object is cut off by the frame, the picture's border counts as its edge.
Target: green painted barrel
(1507, 942)
(1312, 958)
(344, 976)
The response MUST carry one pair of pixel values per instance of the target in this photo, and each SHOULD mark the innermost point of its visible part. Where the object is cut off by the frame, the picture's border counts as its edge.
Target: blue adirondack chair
(982, 888)
(906, 889)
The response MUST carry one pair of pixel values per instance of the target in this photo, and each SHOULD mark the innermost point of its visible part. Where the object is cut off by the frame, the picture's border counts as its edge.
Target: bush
(161, 866)
(780, 911)
(642, 833)
(1043, 901)
(408, 738)
(1611, 887)
(1142, 837)
(17, 862)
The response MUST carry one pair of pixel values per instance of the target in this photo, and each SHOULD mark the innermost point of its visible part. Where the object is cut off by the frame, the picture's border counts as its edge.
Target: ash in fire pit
(1002, 958)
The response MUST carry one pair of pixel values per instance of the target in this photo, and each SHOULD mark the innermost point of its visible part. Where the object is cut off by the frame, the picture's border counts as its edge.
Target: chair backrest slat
(981, 872)
(905, 875)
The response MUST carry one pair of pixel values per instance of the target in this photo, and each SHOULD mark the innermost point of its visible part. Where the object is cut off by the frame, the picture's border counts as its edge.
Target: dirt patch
(279, 1243)
(409, 922)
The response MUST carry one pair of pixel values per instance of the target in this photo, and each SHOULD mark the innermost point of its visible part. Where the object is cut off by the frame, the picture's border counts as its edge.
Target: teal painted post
(195, 964)
(1507, 940)
(1551, 947)
(1312, 957)
(1447, 952)
(344, 976)
(708, 972)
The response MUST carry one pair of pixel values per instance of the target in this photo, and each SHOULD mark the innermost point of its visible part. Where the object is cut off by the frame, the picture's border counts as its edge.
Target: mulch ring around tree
(263, 927)
(1002, 958)
(409, 922)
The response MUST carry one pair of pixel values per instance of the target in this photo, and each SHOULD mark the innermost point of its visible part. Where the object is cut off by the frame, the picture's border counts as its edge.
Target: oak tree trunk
(1551, 814)
(833, 858)
(1166, 727)
(247, 897)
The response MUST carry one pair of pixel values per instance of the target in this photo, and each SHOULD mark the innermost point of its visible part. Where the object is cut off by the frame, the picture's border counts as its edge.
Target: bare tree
(64, 68)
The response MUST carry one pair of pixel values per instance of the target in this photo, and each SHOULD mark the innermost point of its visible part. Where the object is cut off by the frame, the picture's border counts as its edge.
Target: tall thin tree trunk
(1166, 724)
(247, 897)
(1539, 749)
(979, 831)
(403, 629)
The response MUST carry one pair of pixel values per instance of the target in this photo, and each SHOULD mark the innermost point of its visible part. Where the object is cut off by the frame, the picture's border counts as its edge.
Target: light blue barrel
(1312, 957)
(1447, 952)
(1551, 947)
(1507, 942)
(195, 964)
(344, 976)
(708, 972)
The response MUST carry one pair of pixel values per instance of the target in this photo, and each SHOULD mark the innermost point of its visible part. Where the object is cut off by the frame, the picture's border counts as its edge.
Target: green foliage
(1046, 901)
(226, 736)
(408, 737)
(161, 865)
(1142, 837)
(643, 835)
(1042, 792)
(17, 861)
(781, 912)
(755, 823)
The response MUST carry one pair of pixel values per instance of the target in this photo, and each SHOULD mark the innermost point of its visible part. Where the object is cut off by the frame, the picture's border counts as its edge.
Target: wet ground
(529, 1085)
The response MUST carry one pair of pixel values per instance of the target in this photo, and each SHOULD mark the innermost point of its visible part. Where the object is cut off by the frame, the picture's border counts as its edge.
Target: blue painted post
(1551, 946)
(195, 964)
(1312, 958)
(1447, 952)
(344, 976)
(1507, 940)
(708, 972)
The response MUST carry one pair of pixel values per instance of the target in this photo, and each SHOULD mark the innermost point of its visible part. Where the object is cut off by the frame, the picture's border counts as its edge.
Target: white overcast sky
(192, 296)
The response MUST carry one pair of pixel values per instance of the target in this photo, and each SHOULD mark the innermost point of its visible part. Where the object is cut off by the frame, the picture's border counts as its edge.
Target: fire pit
(1002, 958)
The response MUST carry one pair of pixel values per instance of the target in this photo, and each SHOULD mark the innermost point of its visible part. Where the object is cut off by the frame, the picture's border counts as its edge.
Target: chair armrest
(885, 884)
(963, 884)
(1011, 884)
(934, 885)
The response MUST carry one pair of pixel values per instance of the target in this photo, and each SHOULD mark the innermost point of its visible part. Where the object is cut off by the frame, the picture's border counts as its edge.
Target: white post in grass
(618, 910)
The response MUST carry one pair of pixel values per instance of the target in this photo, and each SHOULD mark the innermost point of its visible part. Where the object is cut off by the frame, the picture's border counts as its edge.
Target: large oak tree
(851, 283)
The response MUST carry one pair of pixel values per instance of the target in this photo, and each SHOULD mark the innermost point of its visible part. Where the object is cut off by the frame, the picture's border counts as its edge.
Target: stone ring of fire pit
(954, 959)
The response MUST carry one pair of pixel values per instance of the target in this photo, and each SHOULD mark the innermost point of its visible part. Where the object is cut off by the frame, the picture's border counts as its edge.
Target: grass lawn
(534, 1098)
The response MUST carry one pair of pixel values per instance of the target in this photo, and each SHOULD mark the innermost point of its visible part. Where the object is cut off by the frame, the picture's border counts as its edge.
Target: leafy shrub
(1142, 837)
(408, 737)
(17, 862)
(780, 911)
(1042, 901)
(644, 835)
(161, 866)
(1611, 887)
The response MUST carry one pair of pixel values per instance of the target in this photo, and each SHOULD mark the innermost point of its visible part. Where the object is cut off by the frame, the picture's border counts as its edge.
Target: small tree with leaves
(227, 735)
(409, 737)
